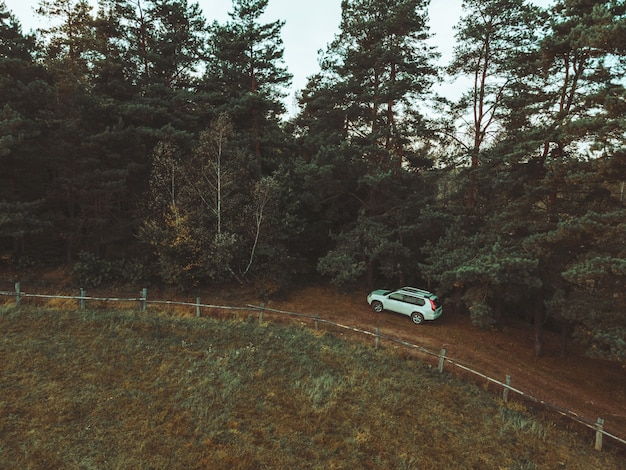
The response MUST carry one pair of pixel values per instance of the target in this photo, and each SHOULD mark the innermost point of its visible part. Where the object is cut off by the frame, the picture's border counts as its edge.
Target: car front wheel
(377, 306)
(417, 318)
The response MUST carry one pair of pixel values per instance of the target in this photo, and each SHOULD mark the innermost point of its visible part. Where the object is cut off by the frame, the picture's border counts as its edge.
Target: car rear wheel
(417, 318)
(377, 306)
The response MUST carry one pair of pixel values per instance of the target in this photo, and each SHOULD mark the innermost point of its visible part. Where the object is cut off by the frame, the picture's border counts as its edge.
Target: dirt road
(590, 388)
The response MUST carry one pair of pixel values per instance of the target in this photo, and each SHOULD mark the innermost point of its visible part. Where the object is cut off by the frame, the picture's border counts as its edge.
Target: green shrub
(92, 271)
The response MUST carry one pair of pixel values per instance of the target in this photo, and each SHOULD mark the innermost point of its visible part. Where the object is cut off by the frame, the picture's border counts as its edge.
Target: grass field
(123, 390)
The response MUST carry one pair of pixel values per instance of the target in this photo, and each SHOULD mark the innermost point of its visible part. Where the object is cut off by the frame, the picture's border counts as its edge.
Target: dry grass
(123, 390)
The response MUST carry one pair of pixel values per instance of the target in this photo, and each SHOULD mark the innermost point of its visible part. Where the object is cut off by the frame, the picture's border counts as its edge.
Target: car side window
(396, 296)
(414, 300)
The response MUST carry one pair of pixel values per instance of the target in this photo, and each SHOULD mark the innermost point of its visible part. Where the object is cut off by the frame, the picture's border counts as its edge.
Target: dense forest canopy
(140, 142)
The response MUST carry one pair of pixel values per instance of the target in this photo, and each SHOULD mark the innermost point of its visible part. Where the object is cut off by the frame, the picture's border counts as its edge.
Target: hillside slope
(101, 389)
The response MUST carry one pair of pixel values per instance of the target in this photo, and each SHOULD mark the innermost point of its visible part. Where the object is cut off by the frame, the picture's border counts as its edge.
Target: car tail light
(432, 305)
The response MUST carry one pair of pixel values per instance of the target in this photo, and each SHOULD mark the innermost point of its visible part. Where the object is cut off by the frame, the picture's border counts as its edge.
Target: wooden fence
(441, 358)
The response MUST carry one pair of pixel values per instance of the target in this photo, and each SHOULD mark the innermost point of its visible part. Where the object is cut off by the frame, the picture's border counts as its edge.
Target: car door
(397, 303)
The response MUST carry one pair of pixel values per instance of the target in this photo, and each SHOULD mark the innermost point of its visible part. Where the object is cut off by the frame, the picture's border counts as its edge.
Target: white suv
(416, 303)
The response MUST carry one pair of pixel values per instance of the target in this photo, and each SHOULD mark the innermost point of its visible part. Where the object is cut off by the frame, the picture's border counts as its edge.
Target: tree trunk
(539, 317)
(498, 313)
(370, 274)
(457, 298)
(565, 332)
(401, 278)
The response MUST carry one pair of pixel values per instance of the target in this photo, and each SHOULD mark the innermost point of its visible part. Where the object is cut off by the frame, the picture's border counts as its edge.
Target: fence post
(377, 337)
(197, 307)
(505, 393)
(599, 429)
(144, 298)
(316, 318)
(261, 312)
(442, 359)
(17, 294)
(83, 294)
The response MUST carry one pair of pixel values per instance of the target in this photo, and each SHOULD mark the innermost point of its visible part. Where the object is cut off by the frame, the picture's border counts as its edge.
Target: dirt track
(588, 387)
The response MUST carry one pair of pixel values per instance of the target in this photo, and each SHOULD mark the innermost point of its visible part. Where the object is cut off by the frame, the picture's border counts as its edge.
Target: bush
(92, 271)
(481, 315)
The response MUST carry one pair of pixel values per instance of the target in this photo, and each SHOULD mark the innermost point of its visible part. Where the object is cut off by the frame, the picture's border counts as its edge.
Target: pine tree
(490, 36)
(167, 42)
(580, 81)
(538, 177)
(364, 124)
(25, 91)
(245, 78)
(383, 68)
(68, 44)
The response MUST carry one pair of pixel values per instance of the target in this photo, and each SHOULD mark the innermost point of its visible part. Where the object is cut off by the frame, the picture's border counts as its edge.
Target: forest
(138, 141)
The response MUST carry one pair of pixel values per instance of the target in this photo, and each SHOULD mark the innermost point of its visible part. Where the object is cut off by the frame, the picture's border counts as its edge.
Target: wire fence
(441, 358)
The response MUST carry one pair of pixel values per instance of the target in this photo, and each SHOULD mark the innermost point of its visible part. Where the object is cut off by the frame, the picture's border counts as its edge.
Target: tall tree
(166, 47)
(542, 202)
(246, 76)
(491, 36)
(580, 108)
(167, 41)
(148, 53)
(18, 71)
(69, 42)
(124, 79)
(112, 73)
(374, 75)
(384, 66)
(81, 183)
(26, 98)
(581, 115)
(68, 52)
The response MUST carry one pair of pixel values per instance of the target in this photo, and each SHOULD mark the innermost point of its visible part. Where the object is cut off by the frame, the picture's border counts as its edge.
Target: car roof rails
(415, 290)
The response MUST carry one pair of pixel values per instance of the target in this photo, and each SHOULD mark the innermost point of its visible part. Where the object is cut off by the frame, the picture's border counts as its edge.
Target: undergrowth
(122, 390)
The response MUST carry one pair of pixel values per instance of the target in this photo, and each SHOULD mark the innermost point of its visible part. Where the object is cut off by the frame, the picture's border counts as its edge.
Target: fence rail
(597, 426)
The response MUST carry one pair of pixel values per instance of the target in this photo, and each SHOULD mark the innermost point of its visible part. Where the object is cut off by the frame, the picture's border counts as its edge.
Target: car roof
(415, 290)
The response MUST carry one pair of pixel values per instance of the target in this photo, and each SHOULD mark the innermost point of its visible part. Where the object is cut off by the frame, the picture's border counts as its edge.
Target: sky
(310, 25)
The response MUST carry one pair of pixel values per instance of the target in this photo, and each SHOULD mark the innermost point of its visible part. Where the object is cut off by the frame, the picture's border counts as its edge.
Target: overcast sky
(310, 26)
